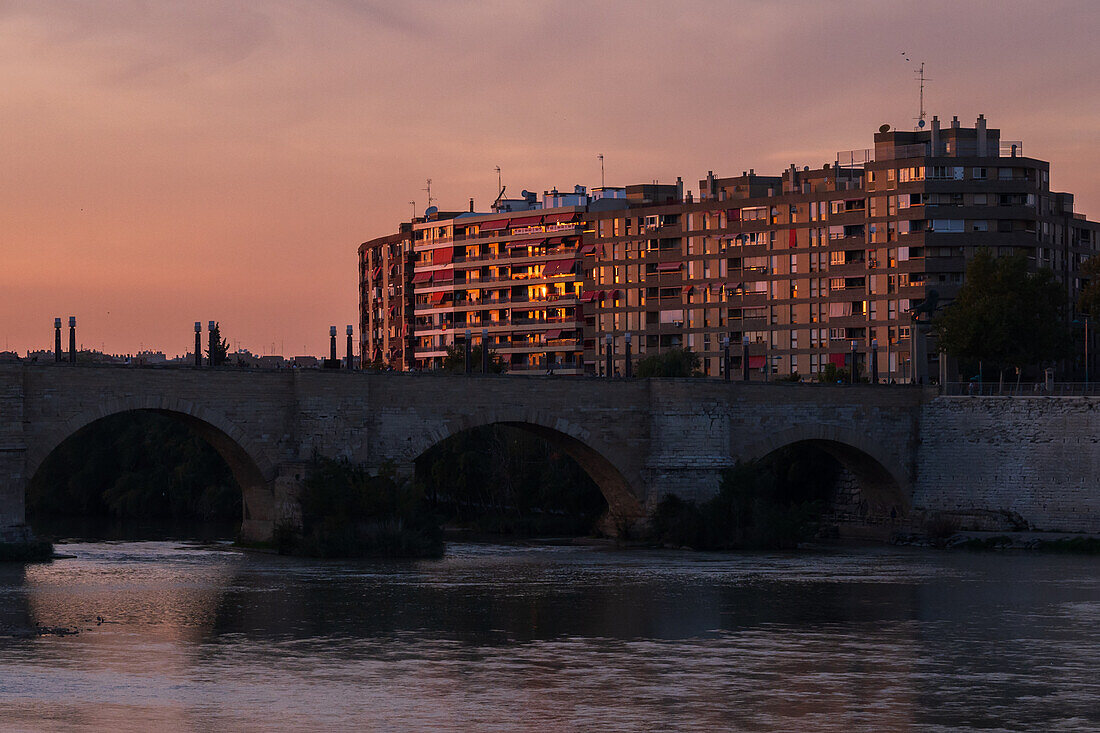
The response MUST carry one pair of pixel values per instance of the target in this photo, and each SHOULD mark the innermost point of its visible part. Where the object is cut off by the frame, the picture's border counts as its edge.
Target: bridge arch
(620, 484)
(883, 485)
(253, 470)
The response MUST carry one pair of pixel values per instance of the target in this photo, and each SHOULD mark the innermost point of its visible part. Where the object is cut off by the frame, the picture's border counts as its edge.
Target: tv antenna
(500, 189)
(428, 188)
(922, 78)
(413, 205)
(600, 156)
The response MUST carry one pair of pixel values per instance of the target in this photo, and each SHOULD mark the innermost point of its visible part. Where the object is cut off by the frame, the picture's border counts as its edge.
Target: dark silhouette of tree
(1089, 300)
(672, 363)
(455, 360)
(218, 351)
(1005, 316)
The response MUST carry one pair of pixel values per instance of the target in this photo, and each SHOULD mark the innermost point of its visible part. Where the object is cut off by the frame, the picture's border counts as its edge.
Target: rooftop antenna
(413, 205)
(923, 78)
(429, 190)
(602, 184)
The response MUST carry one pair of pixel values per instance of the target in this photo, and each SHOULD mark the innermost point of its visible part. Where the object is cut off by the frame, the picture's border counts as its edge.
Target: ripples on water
(551, 638)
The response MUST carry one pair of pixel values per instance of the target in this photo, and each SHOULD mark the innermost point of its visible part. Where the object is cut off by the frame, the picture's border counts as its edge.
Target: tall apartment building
(797, 271)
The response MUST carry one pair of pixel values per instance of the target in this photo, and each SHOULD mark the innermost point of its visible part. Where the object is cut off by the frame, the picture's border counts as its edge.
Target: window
(978, 174)
(980, 226)
(836, 257)
(948, 225)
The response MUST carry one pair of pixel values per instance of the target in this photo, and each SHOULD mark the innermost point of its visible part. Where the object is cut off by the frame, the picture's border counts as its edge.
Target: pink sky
(166, 162)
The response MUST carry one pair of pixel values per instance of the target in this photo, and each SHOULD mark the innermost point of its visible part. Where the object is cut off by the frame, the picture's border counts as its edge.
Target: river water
(549, 638)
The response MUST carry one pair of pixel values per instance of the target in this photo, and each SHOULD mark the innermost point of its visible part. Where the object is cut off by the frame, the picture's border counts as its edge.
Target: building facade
(790, 273)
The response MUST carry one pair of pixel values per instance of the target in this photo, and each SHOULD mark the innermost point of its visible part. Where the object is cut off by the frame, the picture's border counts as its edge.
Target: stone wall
(980, 460)
(997, 462)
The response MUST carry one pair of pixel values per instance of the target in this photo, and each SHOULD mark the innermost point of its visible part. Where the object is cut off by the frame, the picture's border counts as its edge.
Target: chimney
(955, 122)
(792, 183)
(935, 135)
(982, 139)
(679, 188)
(711, 188)
(471, 204)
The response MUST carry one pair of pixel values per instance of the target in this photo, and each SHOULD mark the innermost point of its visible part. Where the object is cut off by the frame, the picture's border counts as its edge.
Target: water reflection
(549, 638)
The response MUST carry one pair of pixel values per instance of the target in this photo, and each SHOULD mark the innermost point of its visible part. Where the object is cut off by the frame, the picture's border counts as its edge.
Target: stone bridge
(983, 461)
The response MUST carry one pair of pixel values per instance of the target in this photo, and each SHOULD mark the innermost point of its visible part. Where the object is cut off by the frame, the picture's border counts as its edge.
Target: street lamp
(332, 344)
(745, 358)
(726, 357)
(72, 339)
(609, 347)
(469, 334)
(351, 347)
(853, 374)
(874, 361)
(57, 340)
(628, 371)
(484, 351)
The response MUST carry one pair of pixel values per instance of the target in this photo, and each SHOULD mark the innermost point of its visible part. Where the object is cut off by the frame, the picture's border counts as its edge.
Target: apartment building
(791, 272)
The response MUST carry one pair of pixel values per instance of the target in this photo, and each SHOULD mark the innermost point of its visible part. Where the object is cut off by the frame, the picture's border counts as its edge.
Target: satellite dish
(920, 123)
(884, 128)
(430, 211)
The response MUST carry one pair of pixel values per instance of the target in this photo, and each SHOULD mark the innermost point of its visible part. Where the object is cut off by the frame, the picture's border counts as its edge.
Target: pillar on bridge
(57, 340)
(72, 339)
(351, 351)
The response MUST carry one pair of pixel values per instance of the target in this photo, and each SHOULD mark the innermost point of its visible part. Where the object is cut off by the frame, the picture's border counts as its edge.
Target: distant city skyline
(167, 163)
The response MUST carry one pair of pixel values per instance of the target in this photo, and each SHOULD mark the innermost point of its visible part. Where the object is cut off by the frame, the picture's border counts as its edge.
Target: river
(551, 638)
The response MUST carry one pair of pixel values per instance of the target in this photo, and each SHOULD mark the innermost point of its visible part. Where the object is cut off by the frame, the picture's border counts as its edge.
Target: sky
(166, 162)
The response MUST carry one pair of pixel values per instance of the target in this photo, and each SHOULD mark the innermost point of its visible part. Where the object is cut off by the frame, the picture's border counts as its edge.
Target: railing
(1029, 388)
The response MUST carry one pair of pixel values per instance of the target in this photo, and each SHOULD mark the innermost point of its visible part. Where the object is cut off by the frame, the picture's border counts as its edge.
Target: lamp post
(745, 359)
(852, 379)
(469, 347)
(332, 343)
(628, 372)
(608, 347)
(484, 351)
(874, 361)
(726, 358)
(57, 340)
(351, 348)
(72, 339)
(198, 343)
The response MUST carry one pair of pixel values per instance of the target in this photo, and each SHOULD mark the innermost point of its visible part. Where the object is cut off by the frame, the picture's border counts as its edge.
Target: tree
(219, 347)
(1089, 301)
(1004, 315)
(672, 363)
(455, 360)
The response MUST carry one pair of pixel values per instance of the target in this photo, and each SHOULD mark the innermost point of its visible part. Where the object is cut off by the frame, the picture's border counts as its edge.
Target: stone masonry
(912, 454)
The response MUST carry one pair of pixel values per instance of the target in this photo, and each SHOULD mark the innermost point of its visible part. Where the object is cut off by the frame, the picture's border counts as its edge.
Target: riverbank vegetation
(769, 504)
(347, 512)
(502, 480)
(134, 467)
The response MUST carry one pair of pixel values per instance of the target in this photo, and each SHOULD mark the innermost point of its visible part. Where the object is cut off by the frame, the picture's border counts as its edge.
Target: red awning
(492, 226)
(554, 241)
(733, 214)
(443, 256)
(524, 221)
(558, 267)
(436, 297)
(556, 333)
(837, 359)
(522, 243)
(587, 249)
(560, 218)
(444, 276)
(613, 293)
(732, 285)
(756, 362)
(600, 294)
(668, 266)
(588, 296)
(793, 239)
(686, 290)
(422, 277)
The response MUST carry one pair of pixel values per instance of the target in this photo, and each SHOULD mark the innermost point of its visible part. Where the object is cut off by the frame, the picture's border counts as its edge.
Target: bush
(346, 512)
(672, 363)
(773, 504)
